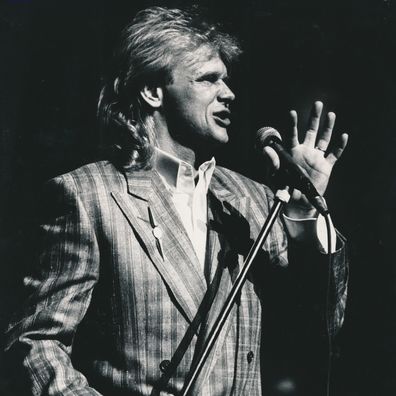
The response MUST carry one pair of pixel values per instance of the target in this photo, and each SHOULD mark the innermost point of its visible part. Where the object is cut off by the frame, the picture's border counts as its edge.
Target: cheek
(200, 110)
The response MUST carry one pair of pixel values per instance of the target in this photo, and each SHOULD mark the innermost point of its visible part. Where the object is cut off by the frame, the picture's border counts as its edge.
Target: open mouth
(222, 118)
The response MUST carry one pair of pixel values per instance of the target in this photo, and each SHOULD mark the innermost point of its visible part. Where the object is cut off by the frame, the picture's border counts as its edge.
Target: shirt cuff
(311, 229)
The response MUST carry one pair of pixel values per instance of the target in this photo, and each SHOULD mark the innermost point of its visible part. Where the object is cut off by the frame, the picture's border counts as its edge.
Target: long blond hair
(150, 47)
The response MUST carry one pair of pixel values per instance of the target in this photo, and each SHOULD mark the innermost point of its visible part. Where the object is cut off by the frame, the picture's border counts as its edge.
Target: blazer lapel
(151, 213)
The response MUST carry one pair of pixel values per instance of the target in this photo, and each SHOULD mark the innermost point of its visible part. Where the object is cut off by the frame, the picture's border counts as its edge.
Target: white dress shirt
(189, 194)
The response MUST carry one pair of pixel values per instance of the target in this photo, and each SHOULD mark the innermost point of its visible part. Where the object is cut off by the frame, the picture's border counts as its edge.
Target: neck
(194, 156)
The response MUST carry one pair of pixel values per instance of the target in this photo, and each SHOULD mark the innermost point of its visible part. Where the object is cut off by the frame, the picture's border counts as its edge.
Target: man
(139, 253)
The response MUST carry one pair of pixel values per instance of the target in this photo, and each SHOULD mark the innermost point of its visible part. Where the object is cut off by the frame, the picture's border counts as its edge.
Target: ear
(153, 96)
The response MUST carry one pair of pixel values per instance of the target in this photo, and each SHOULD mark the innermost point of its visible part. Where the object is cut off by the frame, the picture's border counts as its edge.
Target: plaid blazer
(117, 279)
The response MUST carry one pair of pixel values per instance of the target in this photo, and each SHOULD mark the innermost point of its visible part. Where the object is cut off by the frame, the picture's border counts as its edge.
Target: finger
(272, 157)
(310, 136)
(325, 137)
(336, 153)
(293, 138)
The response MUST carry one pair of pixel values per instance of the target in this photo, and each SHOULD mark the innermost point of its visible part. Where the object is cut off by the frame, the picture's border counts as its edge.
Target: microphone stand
(281, 198)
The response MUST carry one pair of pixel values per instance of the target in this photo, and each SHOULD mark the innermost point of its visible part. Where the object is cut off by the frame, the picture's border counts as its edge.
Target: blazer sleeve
(303, 309)
(322, 281)
(337, 275)
(59, 287)
(338, 284)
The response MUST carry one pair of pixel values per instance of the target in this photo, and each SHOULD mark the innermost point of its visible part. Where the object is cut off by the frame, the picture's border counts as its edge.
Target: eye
(209, 78)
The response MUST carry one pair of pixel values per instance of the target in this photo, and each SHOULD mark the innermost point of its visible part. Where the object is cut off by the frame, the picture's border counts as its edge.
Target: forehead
(201, 61)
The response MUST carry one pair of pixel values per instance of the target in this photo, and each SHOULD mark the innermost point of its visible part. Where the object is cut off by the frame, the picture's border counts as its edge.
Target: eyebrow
(212, 74)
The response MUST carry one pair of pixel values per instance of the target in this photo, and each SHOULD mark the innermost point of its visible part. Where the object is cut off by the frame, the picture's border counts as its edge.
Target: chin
(220, 136)
(224, 140)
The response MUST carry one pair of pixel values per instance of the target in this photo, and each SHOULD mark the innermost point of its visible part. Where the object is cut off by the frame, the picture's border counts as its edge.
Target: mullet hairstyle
(150, 47)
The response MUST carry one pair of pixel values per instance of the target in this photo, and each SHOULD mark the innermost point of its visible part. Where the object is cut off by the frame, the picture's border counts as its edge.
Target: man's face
(196, 102)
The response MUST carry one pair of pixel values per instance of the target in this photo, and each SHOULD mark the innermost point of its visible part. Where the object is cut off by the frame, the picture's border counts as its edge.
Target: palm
(314, 163)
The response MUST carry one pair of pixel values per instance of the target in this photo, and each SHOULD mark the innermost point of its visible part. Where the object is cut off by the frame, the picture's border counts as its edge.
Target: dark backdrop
(342, 52)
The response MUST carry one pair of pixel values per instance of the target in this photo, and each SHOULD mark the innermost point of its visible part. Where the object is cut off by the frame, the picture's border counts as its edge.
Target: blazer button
(164, 365)
(250, 356)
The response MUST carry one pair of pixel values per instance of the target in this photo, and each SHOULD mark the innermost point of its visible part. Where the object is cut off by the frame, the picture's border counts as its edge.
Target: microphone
(295, 175)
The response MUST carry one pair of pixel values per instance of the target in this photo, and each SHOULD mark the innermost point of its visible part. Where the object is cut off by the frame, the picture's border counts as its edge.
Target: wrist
(300, 211)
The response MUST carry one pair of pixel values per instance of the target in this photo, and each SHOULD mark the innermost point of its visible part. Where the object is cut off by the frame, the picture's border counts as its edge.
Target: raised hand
(314, 154)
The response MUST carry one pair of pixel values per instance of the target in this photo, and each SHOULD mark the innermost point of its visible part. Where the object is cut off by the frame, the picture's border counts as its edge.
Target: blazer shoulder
(87, 179)
(241, 185)
(87, 188)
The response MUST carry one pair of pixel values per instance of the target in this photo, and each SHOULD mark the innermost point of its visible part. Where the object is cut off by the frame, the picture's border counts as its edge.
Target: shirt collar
(178, 174)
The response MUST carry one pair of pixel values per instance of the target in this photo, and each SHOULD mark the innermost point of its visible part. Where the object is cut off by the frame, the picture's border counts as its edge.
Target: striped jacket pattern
(117, 283)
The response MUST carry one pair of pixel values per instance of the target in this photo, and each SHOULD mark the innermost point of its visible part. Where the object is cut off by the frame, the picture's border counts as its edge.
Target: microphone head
(265, 134)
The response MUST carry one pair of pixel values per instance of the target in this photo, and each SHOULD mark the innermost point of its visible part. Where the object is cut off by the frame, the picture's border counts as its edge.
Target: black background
(53, 54)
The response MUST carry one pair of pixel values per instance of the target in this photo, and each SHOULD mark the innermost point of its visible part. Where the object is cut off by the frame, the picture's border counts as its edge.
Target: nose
(225, 93)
